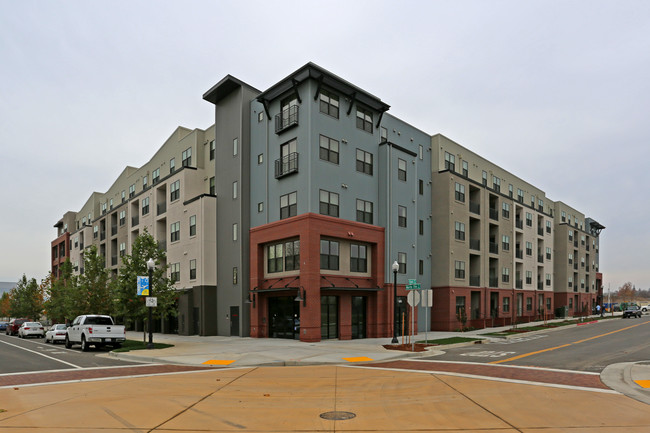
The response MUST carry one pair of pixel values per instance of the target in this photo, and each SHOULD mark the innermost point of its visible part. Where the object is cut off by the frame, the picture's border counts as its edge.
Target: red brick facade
(60, 251)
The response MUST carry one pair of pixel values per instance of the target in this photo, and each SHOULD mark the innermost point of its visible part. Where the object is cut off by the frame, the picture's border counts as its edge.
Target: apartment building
(286, 218)
(172, 197)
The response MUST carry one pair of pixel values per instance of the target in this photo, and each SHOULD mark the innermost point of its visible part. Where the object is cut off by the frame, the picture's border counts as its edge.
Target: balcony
(540, 259)
(494, 214)
(161, 208)
(494, 248)
(113, 230)
(113, 260)
(475, 207)
(135, 221)
(475, 280)
(162, 245)
(102, 236)
(494, 282)
(475, 244)
(540, 285)
(519, 254)
(286, 119)
(540, 231)
(286, 165)
(519, 284)
(519, 223)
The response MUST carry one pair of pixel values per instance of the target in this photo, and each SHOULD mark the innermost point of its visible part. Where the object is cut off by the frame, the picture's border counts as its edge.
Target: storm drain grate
(337, 415)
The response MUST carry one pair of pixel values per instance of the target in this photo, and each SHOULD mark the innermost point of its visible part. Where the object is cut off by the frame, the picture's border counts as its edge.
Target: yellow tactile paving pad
(643, 383)
(358, 359)
(218, 362)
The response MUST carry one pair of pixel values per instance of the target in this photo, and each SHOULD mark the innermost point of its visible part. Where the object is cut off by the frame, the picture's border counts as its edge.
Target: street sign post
(143, 286)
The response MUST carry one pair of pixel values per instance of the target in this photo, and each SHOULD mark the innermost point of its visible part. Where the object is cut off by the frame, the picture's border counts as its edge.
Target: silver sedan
(56, 333)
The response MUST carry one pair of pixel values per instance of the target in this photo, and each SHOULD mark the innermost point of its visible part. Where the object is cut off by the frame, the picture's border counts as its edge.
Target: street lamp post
(395, 268)
(150, 266)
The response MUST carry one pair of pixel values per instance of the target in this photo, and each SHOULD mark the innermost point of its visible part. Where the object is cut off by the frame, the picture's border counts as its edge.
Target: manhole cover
(337, 415)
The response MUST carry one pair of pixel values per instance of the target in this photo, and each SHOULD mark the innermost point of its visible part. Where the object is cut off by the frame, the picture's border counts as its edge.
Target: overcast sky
(556, 92)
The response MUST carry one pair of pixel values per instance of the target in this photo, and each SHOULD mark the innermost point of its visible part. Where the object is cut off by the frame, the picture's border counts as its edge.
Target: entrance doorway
(284, 314)
(234, 321)
(329, 317)
(358, 317)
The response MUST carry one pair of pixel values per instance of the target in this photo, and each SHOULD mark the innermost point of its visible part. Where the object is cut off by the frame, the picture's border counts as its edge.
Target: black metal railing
(135, 221)
(475, 280)
(286, 119)
(113, 230)
(494, 214)
(475, 244)
(286, 165)
(494, 248)
(475, 207)
(161, 208)
(494, 282)
(519, 254)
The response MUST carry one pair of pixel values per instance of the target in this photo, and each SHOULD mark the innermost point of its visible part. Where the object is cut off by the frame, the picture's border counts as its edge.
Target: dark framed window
(288, 205)
(122, 217)
(329, 103)
(465, 169)
(459, 270)
(364, 162)
(172, 165)
(175, 191)
(505, 275)
(420, 187)
(421, 228)
(186, 157)
(212, 149)
(459, 194)
(529, 277)
(364, 211)
(212, 186)
(450, 162)
(193, 269)
(460, 231)
(496, 184)
(505, 241)
(328, 203)
(274, 261)
(401, 169)
(505, 210)
(329, 255)
(401, 261)
(329, 149)
(420, 267)
(155, 176)
(193, 225)
(529, 219)
(358, 258)
(364, 119)
(401, 216)
(175, 231)
(292, 255)
(175, 272)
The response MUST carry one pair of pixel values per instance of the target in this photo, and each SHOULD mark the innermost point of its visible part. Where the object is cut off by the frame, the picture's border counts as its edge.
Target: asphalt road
(29, 355)
(589, 347)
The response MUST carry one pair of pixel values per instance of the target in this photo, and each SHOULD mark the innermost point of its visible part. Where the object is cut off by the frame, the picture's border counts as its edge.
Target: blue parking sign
(143, 286)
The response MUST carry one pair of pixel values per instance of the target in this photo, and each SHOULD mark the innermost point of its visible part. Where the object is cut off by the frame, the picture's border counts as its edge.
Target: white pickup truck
(94, 330)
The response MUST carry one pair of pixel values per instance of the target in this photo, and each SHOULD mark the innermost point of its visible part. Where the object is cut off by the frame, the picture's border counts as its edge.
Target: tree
(4, 305)
(59, 304)
(93, 294)
(626, 292)
(26, 299)
(127, 303)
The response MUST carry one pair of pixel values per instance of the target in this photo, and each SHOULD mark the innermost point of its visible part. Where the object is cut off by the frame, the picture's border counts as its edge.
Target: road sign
(151, 301)
(413, 298)
(411, 282)
(413, 287)
(143, 286)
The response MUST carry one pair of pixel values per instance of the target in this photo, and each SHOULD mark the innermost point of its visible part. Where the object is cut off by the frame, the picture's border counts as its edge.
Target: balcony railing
(494, 282)
(161, 208)
(475, 280)
(519, 223)
(494, 248)
(135, 221)
(540, 231)
(519, 254)
(102, 236)
(286, 119)
(540, 285)
(540, 259)
(113, 230)
(162, 245)
(519, 284)
(494, 214)
(475, 207)
(113, 260)
(286, 165)
(475, 244)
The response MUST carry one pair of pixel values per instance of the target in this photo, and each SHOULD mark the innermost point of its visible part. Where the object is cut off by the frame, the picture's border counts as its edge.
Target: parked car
(56, 333)
(645, 308)
(3, 326)
(31, 329)
(14, 326)
(632, 311)
(97, 330)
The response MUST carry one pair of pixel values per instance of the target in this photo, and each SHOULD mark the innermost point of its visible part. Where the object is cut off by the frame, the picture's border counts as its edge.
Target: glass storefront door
(358, 317)
(284, 316)
(329, 317)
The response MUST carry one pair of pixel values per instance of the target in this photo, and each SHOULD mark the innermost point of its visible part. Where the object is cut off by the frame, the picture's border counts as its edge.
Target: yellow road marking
(218, 362)
(564, 345)
(358, 359)
(643, 383)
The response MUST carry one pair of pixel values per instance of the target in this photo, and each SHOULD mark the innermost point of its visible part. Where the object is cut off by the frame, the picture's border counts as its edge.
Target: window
(329, 203)
(401, 261)
(288, 162)
(292, 255)
(274, 259)
(144, 182)
(329, 149)
(459, 271)
(95, 231)
(193, 225)
(175, 191)
(540, 205)
(401, 216)
(510, 190)
(484, 178)
(175, 231)
(460, 231)
(284, 256)
(234, 190)
(505, 211)
(548, 253)
(193, 269)
(131, 191)
(358, 258)
(111, 202)
(505, 275)
(496, 184)
(529, 219)
(384, 134)
(570, 283)
(364, 119)
(421, 229)
(364, 211)
(570, 235)
(401, 169)
(465, 169)
(420, 187)
(122, 217)
(172, 165)
(260, 206)
(123, 197)
(563, 216)
(186, 157)
(364, 162)
(329, 255)
(570, 258)
(460, 307)
(548, 279)
(329, 104)
(212, 149)
(421, 267)
(235, 274)
(420, 152)
(505, 241)
(260, 158)
(235, 232)
(450, 162)
(235, 146)
(520, 195)
(506, 304)
(175, 272)
(460, 193)
(529, 304)
(260, 116)
(529, 277)
(155, 176)
(212, 186)
(122, 249)
(548, 227)
(529, 248)
(288, 205)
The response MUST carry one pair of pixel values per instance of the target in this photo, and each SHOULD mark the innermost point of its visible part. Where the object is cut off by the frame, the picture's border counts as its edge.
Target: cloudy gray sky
(556, 92)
